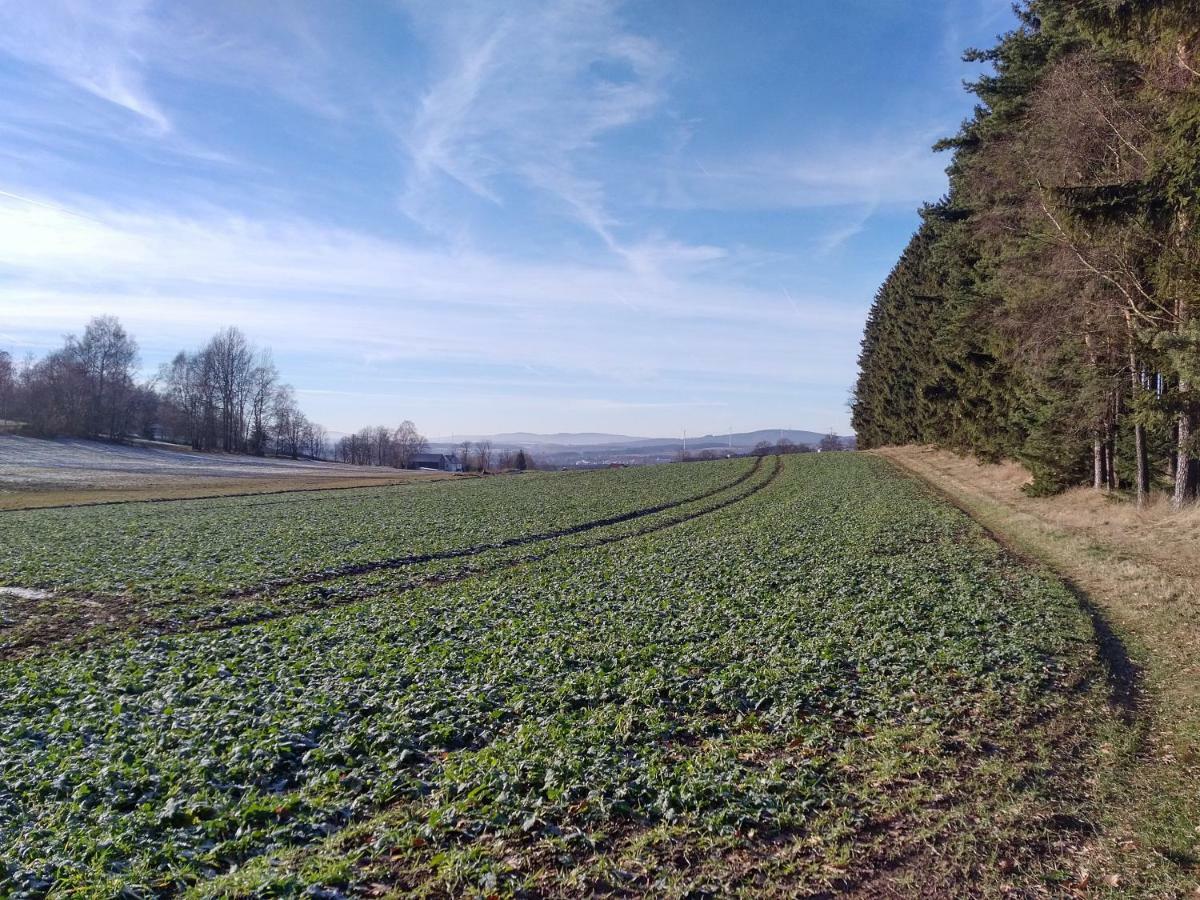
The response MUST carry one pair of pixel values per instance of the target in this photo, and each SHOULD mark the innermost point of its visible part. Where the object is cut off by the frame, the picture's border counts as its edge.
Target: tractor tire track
(400, 562)
(96, 598)
(440, 578)
(127, 617)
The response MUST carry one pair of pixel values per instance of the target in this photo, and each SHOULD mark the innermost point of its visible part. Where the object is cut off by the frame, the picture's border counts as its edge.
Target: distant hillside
(563, 449)
(747, 439)
(583, 440)
(529, 439)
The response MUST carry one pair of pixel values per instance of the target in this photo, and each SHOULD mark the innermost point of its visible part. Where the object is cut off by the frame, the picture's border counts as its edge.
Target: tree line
(228, 396)
(480, 456)
(85, 388)
(782, 447)
(381, 446)
(829, 443)
(225, 396)
(1045, 309)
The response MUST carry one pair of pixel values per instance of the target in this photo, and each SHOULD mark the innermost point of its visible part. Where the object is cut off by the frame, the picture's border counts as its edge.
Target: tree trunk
(1097, 463)
(1141, 464)
(1173, 461)
(1183, 455)
(1110, 448)
(1183, 437)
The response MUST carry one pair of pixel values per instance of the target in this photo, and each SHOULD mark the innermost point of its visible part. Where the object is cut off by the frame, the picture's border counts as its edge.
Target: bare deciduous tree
(105, 357)
(8, 385)
(407, 443)
(483, 455)
(232, 360)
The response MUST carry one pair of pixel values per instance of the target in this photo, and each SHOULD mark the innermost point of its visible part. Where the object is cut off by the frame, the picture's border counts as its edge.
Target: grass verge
(1139, 572)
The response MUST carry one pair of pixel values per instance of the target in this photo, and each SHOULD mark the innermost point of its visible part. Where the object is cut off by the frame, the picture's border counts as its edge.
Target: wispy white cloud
(840, 234)
(854, 171)
(393, 301)
(98, 48)
(190, 164)
(136, 61)
(523, 91)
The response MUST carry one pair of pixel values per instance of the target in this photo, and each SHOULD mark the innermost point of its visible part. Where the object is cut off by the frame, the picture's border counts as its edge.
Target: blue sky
(557, 216)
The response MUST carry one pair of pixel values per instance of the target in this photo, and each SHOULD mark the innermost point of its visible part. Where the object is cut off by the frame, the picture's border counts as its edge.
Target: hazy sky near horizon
(484, 216)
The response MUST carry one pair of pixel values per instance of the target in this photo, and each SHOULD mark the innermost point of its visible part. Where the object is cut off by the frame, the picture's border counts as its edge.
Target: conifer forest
(1046, 308)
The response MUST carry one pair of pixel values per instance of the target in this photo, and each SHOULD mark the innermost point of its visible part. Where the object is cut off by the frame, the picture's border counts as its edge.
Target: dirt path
(1141, 572)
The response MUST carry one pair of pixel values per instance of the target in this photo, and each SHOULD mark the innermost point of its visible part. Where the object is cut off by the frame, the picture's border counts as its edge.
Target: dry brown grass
(1141, 570)
(35, 497)
(1136, 562)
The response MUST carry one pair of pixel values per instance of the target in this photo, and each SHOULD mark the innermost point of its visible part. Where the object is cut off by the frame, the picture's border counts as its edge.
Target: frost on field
(24, 593)
(66, 463)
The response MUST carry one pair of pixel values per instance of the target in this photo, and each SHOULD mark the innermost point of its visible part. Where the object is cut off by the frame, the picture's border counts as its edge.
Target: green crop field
(774, 677)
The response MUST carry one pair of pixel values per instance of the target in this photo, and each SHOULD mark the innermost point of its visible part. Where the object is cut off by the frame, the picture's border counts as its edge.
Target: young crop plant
(169, 566)
(784, 688)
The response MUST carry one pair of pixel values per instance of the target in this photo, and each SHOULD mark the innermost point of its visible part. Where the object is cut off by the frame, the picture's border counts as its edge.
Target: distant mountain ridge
(575, 448)
(601, 439)
(561, 439)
